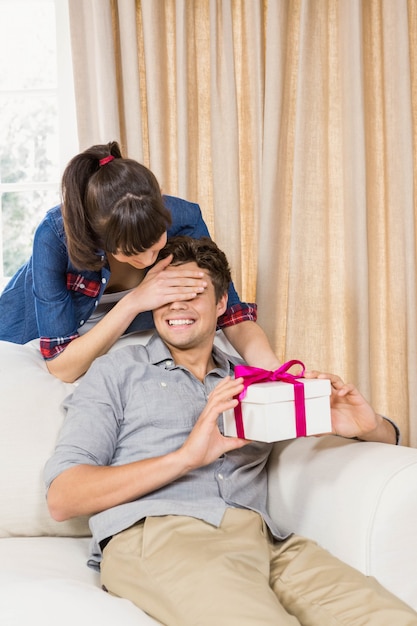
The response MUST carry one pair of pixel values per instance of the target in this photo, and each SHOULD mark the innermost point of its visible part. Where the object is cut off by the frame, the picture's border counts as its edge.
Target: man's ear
(222, 304)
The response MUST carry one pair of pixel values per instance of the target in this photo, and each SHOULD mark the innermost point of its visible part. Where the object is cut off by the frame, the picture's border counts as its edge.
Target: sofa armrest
(356, 499)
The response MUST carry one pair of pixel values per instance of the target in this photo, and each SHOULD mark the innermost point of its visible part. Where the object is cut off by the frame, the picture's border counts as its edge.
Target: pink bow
(253, 375)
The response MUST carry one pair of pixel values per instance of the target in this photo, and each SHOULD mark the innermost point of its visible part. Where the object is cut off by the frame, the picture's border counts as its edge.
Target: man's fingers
(223, 395)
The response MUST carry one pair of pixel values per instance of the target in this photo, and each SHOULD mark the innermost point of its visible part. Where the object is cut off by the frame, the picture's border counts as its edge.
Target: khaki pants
(185, 572)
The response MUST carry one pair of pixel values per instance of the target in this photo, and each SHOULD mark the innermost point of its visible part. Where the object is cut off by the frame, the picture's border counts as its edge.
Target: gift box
(271, 411)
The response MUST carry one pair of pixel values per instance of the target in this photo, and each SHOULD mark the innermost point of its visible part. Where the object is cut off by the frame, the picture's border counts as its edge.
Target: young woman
(92, 276)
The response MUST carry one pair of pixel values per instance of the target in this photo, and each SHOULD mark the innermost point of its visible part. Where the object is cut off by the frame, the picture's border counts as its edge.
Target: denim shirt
(136, 403)
(51, 299)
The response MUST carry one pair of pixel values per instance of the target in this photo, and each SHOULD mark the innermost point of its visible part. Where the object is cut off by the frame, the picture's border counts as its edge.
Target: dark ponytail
(116, 206)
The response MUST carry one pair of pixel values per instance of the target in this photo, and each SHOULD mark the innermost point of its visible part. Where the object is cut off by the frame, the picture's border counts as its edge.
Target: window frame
(67, 124)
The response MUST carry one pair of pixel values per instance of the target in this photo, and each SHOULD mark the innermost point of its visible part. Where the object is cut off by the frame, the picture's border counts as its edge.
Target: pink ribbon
(253, 375)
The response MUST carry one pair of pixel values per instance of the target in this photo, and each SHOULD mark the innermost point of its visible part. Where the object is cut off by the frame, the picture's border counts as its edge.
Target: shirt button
(103, 280)
(163, 384)
(220, 476)
(82, 286)
(82, 322)
(168, 363)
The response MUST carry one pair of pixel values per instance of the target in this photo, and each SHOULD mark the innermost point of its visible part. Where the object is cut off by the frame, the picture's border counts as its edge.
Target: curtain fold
(389, 203)
(293, 123)
(129, 80)
(94, 71)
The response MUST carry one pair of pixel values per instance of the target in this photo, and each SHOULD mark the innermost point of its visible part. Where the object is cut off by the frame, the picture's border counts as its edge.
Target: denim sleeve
(53, 304)
(188, 220)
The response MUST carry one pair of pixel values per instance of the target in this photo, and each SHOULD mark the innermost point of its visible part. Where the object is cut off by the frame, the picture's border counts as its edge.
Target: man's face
(187, 324)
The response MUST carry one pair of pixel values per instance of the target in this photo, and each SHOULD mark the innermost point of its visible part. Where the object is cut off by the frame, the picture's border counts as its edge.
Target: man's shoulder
(132, 351)
(222, 346)
(227, 362)
(124, 356)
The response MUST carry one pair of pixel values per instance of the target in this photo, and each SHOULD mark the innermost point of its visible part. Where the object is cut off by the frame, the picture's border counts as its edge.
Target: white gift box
(268, 410)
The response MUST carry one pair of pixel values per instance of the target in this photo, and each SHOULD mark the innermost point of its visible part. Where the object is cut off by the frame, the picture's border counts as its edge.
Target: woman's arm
(251, 342)
(79, 354)
(161, 285)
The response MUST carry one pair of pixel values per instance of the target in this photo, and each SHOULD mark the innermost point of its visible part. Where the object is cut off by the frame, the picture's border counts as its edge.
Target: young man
(179, 515)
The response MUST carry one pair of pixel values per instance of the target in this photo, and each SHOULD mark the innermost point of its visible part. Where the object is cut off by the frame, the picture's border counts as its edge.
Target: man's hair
(206, 254)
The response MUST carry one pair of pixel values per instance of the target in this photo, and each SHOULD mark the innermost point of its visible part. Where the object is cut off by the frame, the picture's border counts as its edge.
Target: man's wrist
(394, 427)
(385, 431)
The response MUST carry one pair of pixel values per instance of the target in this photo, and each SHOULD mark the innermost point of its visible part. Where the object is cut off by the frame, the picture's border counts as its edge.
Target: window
(37, 120)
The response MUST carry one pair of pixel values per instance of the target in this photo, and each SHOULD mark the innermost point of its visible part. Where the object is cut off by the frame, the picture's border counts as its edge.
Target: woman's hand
(166, 283)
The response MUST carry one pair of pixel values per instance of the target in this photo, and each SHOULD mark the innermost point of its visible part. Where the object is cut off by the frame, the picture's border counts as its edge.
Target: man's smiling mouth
(180, 322)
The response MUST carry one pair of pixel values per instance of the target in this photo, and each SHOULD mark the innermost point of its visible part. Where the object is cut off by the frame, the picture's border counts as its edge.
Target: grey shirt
(134, 404)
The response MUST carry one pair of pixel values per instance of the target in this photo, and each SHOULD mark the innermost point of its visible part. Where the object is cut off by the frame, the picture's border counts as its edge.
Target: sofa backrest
(30, 418)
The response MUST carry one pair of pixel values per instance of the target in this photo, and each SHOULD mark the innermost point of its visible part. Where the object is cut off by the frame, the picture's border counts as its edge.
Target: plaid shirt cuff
(242, 312)
(50, 348)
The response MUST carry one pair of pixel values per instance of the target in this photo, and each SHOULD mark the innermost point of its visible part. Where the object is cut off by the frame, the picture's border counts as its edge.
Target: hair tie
(105, 160)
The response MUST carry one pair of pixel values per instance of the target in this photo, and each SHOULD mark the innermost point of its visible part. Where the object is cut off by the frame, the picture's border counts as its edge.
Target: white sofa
(357, 499)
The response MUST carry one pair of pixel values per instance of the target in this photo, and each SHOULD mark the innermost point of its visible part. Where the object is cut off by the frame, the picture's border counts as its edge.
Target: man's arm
(352, 416)
(88, 489)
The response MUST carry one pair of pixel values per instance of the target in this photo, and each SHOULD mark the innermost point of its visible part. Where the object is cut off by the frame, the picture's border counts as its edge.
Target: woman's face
(145, 258)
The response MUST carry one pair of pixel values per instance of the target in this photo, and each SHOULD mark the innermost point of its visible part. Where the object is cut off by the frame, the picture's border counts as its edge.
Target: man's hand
(206, 444)
(352, 416)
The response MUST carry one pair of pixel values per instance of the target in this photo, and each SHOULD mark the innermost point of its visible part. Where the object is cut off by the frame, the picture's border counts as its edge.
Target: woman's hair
(110, 203)
(206, 254)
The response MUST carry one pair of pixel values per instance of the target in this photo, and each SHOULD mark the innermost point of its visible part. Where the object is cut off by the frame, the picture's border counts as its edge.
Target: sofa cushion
(45, 580)
(65, 602)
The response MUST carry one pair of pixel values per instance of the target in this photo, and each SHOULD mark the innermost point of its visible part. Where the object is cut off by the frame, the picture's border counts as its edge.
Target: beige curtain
(293, 123)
